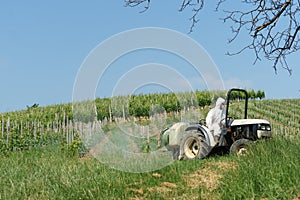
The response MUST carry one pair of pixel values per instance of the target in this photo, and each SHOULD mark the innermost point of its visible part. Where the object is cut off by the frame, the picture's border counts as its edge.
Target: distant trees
(252, 94)
(260, 94)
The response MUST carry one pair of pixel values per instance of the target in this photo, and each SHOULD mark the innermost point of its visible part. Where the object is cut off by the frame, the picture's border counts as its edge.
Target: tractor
(196, 141)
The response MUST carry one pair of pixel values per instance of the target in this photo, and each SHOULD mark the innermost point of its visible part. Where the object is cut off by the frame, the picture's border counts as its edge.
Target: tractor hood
(238, 122)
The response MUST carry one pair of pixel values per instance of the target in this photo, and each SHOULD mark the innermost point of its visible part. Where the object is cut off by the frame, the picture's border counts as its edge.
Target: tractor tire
(193, 146)
(240, 147)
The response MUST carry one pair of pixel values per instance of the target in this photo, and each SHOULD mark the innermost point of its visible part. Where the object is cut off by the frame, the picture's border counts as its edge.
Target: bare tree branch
(196, 6)
(134, 3)
(274, 19)
(273, 26)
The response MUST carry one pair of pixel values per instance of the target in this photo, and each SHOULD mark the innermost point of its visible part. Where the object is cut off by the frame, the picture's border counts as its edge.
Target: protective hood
(220, 103)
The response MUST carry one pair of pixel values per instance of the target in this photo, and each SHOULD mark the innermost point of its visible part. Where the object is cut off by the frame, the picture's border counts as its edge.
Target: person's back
(214, 117)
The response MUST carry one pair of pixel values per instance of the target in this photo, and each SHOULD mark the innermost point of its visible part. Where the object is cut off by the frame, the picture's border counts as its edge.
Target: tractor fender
(206, 133)
(173, 135)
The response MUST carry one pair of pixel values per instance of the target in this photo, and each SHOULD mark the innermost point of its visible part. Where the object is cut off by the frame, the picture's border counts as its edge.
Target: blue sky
(43, 45)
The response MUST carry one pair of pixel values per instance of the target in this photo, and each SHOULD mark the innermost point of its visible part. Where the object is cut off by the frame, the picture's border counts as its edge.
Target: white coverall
(214, 117)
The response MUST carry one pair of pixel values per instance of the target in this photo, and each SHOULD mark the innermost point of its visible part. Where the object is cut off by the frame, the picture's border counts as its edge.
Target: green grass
(270, 171)
(48, 173)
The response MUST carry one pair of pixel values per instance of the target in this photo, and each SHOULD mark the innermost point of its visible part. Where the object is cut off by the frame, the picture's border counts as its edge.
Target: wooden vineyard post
(21, 128)
(7, 131)
(124, 116)
(66, 129)
(34, 130)
(64, 123)
(81, 129)
(110, 114)
(27, 127)
(146, 134)
(38, 127)
(41, 128)
(71, 130)
(2, 124)
(48, 128)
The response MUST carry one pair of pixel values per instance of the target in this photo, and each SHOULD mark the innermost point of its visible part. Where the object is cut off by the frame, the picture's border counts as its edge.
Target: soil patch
(209, 176)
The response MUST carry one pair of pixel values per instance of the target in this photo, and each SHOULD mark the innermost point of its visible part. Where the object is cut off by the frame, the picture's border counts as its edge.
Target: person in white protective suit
(214, 118)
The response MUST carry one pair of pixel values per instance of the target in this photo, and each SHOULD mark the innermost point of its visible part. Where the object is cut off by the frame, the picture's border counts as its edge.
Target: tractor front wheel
(240, 147)
(193, 146)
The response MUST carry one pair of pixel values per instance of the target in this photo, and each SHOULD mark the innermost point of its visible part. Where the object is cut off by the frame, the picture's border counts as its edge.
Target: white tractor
(196, 141)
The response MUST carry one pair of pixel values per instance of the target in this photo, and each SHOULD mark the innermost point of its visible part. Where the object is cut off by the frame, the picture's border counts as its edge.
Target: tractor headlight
(258, 127)
(264, 127)
(264, 131)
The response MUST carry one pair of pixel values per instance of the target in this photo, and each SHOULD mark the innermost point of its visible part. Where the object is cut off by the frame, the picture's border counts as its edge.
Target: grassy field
(270, 171)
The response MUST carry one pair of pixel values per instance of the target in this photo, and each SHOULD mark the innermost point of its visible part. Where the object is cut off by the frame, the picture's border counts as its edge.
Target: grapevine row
(45, 125)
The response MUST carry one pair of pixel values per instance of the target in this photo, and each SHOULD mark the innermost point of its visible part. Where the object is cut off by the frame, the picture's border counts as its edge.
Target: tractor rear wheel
(193, 146)
(240, 147)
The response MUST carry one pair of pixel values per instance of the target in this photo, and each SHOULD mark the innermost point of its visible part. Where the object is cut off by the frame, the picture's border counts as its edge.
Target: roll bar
(229, 93)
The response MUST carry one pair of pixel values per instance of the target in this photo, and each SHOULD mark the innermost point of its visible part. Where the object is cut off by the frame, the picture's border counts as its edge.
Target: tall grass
(48, 173)
(271, 170)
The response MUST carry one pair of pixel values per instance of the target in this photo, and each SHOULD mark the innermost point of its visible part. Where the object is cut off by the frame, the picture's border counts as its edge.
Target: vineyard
(40, 126)
(284, 115)
(37, 163)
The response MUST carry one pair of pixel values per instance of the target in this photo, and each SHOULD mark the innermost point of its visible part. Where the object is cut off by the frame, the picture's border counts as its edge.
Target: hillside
(42, 125)
(48, 169)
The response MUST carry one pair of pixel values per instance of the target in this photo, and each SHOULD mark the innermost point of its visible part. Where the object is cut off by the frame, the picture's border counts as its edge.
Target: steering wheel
(229, 120)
